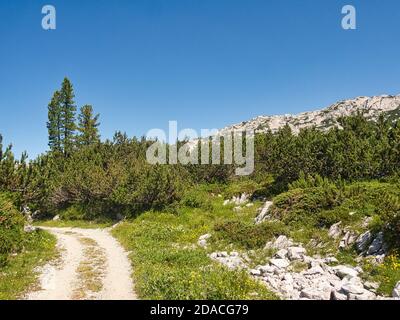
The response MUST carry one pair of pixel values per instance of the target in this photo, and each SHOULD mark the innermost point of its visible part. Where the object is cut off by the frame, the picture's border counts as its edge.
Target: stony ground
(293, 274)
(92, 265)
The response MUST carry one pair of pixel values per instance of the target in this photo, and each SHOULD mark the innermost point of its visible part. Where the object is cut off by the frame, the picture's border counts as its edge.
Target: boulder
(335, 230)
(230, 261)
(348, 239)
(363, 241)
(376, 245)
(366, 295)
(282, 253)
(316, 294)
(296, 253)
(243, 198)
(345, 271)
(314, 270)
(282, 242)
(56, 218)
(267, 269)
(338, 296)
(372, 286)
(352, 288)
(280, 263)
(330, 260)
(262, 216)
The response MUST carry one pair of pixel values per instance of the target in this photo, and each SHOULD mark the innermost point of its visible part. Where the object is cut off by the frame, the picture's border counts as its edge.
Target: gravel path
(92, 265)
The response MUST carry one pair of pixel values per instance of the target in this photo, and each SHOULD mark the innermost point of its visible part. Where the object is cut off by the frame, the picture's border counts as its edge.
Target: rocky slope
(323, 119)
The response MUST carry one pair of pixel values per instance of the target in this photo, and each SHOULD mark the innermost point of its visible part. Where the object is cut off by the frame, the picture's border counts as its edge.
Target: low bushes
(11, 229)
(322, 204)
(248, 235)
(197, 198)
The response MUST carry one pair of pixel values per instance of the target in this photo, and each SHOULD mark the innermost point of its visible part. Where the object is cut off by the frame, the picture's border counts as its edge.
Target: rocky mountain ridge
(323, 119)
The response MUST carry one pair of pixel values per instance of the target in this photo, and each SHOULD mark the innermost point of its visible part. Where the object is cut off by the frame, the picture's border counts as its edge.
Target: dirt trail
(92, 265)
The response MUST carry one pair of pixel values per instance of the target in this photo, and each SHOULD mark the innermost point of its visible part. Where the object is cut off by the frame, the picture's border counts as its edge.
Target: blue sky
(204, 63)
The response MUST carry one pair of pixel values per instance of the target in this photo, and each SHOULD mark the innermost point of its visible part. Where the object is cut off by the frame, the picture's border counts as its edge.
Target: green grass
(18, 276)
(84, 224)
(168, 264)
(387, 274)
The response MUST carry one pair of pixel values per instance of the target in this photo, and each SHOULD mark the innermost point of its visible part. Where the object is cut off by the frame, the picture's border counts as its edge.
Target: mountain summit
(323, 119)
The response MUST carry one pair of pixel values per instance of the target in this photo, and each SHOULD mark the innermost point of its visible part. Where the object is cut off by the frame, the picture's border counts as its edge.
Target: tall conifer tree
(68, 110)
(54, 123)
(88, 124)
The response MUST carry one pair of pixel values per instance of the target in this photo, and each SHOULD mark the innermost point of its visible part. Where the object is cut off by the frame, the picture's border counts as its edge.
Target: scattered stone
(344, 271)
(237, 200)
(263, 215)
(359, 269)
(203, 240)
(335, 231)
(372, 286)
(296, 253)
(316, 294)
(56, 218)
(231, 261)
(249, 205)
(282, 253)
(319, 282)
(330, 260)
(243, 198)
(282, 242)
(267, 269)
(29, 228)
(396, 290)
(280, 263)
(202, 243)
(314, 270)
(348, 239)
(376, 245)
(255, 272)
(205, 236)
(28, 214)
(237, 209)
(363, 240)
(338, 296)
(354, 288)
(378, 259)
(366, 295)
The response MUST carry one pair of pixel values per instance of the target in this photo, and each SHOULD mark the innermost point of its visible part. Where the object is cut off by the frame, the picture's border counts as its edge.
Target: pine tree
(54, 123)
(88, 126)
(68, 110)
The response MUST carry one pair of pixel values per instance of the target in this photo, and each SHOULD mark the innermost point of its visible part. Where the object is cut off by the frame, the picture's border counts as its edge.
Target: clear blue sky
(204, 63)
